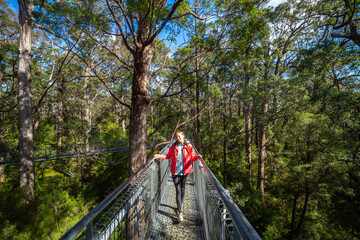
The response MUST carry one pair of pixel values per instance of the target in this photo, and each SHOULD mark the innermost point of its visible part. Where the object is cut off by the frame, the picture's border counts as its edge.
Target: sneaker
(181, 218)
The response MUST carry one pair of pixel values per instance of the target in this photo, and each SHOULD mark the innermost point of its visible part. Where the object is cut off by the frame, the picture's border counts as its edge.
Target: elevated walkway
(143, 207)
(58, 158)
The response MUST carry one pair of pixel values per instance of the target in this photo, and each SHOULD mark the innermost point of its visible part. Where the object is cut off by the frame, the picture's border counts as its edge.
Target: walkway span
(56, 158)
(144, 208)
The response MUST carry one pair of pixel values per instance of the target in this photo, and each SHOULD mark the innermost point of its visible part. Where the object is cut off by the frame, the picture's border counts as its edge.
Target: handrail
(241, 224)
(75, 230)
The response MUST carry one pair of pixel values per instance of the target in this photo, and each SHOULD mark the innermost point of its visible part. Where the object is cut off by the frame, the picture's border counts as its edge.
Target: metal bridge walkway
(59, 158)
(144, 207)
(166, 225)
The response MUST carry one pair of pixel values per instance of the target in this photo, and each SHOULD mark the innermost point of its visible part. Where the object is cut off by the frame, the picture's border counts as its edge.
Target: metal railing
(126, 213)
(68, 151)
(222, 218)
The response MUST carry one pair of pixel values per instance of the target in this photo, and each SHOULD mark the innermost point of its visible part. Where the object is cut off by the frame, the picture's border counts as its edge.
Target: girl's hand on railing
(199, 156)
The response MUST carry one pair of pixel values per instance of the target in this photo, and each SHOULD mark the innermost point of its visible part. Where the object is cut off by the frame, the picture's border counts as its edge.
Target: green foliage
(110, 131)
(45, 135)
(58, 210)
(272, 67)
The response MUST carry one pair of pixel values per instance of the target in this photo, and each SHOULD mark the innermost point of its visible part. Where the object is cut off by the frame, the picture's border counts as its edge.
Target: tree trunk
(225, 162)
(58, 127)
(86, 170)
(262, 150)
(247, 120)
(2, 169)
(117, 112)
(303, 212)
(198, 139)
(353, 204)
(224, 145)
(87, 113)
(152, 118)
(139, 108)
(123, 124)
(263, 126)
(293, 214)
(59, 119)
(26, 133)
(209, 111)
(248, 143)
(197, 93)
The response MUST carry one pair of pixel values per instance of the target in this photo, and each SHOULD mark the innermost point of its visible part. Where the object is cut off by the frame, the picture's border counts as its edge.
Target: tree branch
(120, 29)
(151, 39)
(160, 125)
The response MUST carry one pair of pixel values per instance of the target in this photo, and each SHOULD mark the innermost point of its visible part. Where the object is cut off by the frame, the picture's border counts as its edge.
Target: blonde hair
(180, 132)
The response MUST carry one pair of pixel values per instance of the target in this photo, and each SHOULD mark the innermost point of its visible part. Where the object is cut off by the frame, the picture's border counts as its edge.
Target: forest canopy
(270, 96)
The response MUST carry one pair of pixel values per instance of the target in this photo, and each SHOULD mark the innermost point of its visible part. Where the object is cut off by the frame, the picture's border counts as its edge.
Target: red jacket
(188, 156)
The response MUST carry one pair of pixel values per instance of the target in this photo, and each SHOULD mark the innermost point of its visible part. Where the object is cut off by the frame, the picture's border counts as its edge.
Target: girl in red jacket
(181, 154)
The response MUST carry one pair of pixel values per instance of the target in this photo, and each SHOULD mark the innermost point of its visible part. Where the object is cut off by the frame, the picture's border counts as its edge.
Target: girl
(181, 154)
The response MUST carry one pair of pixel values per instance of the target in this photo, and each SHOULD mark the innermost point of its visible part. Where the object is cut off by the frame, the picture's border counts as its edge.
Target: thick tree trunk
(139, 108)
(26, 133)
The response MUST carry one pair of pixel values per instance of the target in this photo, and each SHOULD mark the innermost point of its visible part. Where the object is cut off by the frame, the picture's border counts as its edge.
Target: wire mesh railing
(127, 212)
(222, 218)
(68, 151)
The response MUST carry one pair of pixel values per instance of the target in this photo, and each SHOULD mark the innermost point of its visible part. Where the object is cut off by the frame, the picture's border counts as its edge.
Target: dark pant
(179, 182)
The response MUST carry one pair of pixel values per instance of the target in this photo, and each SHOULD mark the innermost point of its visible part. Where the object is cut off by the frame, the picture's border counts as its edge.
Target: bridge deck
(166, 224)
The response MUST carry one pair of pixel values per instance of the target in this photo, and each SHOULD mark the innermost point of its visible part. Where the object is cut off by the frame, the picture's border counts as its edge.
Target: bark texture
(26, 132)
(139, 108)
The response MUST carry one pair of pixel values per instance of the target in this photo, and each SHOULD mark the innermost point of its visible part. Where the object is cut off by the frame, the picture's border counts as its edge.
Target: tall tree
(139, 23)
(26, 132)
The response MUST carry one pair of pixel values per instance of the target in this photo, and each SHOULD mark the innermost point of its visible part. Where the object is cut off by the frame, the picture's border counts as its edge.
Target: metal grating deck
(166, 224)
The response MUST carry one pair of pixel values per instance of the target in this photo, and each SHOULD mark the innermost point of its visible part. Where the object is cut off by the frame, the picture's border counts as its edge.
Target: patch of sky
(13, 4)
(274, 3)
